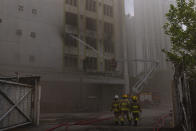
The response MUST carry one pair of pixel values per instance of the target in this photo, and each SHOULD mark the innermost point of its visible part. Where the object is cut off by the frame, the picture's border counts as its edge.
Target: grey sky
(129, 7)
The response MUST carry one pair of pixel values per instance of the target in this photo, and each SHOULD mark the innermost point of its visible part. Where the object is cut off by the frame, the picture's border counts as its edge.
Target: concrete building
(34, 39)
(146, 39)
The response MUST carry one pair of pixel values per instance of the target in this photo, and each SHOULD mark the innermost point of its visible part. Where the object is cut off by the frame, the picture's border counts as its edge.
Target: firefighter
(116, 109)
(125, 109)
(135, 110)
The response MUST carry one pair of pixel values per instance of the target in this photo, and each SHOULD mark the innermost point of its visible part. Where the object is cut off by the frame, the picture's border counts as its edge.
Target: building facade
(145, 40)
(97, 23)
(36, 38)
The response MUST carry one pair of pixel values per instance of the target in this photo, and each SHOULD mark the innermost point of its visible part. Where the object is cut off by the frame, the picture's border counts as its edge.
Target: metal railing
(138, 86)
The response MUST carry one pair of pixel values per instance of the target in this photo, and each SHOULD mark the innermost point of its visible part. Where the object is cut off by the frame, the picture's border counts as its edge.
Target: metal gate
(18, 104)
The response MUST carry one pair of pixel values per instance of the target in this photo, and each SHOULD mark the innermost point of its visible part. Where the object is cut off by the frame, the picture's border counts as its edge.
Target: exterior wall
(42, 52)
(90, 97)
(47, 24)
(146, 39)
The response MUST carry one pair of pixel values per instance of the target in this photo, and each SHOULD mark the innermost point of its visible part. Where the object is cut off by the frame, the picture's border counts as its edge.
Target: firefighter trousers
(135, 116)
(125, 115)
(116, 117)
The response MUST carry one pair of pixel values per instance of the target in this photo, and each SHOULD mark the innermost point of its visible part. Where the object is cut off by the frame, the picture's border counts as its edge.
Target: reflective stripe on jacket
(135, 107)
(115, 106)
(124, 105)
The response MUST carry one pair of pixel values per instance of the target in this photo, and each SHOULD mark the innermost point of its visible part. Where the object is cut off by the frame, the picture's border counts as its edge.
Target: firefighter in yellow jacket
(116, 109)
(125, 109)
(135, 109)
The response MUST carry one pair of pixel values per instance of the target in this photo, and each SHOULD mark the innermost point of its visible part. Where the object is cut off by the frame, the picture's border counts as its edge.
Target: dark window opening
(108, 28)
(71, 19)
(71, 61)
(108, 10)
(90, 63)
(91, 5)
(70, 41)
(72, 2)
(91, 42)
(108, 46)
(91, 24)
(110, 65)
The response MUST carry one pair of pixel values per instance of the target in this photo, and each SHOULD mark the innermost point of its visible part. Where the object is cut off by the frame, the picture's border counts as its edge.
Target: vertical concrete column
(37, 98)
(80, 32)
(125, 47)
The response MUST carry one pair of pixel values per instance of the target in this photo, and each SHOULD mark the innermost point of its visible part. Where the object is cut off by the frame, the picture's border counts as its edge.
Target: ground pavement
(147, 122)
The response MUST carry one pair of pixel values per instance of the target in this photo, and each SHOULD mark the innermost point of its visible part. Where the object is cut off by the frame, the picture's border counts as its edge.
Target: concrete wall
(23, 50)
(77, 97)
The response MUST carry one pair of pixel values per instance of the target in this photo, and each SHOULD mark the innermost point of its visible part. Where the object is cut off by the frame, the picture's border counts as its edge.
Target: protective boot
(130, 122)
(122, 123)
(116, 123)
(135, 123)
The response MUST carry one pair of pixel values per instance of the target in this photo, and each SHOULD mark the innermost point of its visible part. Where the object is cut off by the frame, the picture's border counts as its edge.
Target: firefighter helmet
(116, 97)
(125, 96)
(134, 98)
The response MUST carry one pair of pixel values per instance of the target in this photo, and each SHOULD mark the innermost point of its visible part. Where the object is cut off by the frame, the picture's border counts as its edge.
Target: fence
(19, 102)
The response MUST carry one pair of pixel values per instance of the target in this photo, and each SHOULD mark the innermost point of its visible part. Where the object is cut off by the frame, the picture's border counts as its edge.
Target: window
(1, 20)
(91, 24)
(20, 8)
(108, 28)
(71, 19)
(109, 65)
(34, 11)
(72, 2)
(92, 42)
(33, 34)
(108, 10)
(69, 41)
(71, 61)
(108, 46)
(90, 63)
(91, 5)
(19, 32)
(31, 59)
